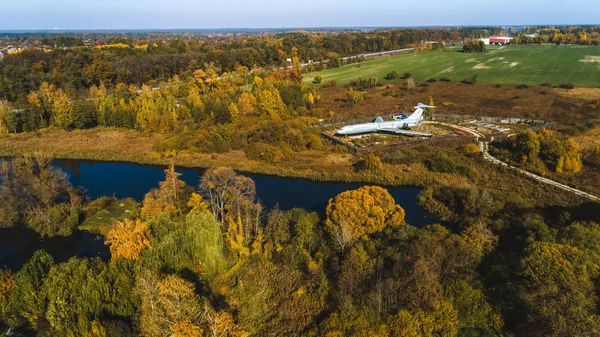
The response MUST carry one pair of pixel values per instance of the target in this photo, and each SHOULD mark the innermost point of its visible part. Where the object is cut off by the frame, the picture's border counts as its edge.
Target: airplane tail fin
(419, 111)
(379, 119)
(423, 106)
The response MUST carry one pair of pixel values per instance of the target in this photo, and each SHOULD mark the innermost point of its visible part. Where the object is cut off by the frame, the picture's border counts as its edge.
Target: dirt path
(483, 147)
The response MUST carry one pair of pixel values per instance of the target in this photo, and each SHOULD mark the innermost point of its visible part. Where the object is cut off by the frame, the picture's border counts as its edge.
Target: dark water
(132, 180)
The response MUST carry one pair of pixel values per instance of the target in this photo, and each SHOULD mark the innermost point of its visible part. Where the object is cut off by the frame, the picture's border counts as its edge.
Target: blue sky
(170, 14)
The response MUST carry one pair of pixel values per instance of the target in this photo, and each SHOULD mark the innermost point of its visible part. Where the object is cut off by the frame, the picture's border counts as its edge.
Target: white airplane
(400, 125)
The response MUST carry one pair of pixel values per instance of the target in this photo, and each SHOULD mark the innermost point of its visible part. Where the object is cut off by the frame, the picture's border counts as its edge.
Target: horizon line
(3, 30)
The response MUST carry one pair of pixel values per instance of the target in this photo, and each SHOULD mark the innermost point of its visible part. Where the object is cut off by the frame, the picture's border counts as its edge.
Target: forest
(208, 260)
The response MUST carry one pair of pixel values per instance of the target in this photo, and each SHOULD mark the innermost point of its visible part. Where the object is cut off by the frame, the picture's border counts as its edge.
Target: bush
(392, 76)
(431, 80)
(497, 86)
(354, 96)
(444, 79)
(262, 151)
(469, 80)
(330, 84)
(441, 163)
(566, 86)
(368, 163)
(318, 79)
(407, 75)
(546, 84)
(522, 86)
(470, 149)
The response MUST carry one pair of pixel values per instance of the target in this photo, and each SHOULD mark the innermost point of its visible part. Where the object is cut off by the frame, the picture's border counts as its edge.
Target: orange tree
(358, 213)
(128, 238)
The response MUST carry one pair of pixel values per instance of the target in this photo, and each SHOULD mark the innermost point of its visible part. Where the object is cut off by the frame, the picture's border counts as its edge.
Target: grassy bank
(108, 144)
(510, 64)
(403, 167)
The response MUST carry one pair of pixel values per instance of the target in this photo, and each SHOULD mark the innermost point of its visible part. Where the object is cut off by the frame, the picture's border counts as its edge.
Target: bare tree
(224, 188)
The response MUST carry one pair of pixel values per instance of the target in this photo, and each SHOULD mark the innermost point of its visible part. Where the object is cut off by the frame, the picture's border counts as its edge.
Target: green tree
(27, 298)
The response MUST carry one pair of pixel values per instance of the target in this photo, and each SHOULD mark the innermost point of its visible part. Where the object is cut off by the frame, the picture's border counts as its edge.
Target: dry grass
(481, 99)
(592, 94)
(131, 146)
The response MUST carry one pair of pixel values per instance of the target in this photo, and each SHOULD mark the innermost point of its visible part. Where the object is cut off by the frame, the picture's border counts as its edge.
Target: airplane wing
(405, 132)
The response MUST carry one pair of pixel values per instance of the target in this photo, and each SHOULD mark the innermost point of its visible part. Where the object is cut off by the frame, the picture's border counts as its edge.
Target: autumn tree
(354, 96)
(559, 290)
(270, 103)
(223, 188)
(169, 306)
(128, 238)
(441, 320)
(246, 104)
(63, 109)
(4, 110)
(358, 213)
(170, 197)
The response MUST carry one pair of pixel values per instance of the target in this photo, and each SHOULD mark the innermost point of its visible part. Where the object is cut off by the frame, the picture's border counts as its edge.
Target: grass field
(579, 65)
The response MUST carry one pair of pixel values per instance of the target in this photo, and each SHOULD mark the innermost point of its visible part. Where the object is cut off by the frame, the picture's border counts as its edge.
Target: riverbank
(404, 168)
(119, 145)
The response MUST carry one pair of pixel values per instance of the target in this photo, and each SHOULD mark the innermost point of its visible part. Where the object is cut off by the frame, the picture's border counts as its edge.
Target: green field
(532, 65)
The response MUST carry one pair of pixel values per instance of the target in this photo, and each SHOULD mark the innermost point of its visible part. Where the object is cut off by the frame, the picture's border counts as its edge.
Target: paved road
(483, 147)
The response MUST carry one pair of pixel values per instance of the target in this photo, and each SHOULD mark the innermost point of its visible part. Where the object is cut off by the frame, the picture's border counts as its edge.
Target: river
(124, 180)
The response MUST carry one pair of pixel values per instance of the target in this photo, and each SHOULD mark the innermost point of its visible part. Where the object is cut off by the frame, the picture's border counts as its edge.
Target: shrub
(546, 84)
(354, 96)
(469, 80)
(470, 149)
(330, 84)
(522, 86)
(431, 80)
(497, 86)
(444, 79)
(392, 76)
(318, 79)
(566, 86)
(543, 92)
(441, 163)
(407, 75)
(368, 163)
(516, 97)
(262, 151)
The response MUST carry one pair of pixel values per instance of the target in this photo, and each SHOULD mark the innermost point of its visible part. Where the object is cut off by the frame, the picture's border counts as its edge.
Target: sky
(182, 14)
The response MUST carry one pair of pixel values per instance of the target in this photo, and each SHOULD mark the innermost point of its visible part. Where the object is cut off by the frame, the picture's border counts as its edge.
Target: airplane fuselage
(375, 127)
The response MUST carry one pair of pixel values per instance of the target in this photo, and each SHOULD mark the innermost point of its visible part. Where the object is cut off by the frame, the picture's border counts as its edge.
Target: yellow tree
(4, 108)
(168, 198)
(197, 204)
(128, 239)
(63, 110)
(170, 306)
(271, 104)
(571, 161)
(441, 320)
(234, 112)
(246, 104)
(220, 323)
(358, 213)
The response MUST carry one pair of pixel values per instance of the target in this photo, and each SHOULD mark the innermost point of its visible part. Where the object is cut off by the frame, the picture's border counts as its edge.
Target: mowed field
(531, 65)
